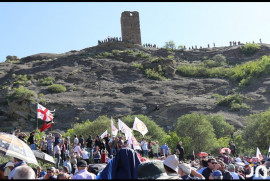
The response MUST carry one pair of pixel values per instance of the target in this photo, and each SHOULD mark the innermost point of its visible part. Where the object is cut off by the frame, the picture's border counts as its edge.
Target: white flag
(104, 134)
(132, 140)
(268, 154)
(259, 155)
(140, 126)
(114, 129)
(124, 128)
(44, 113)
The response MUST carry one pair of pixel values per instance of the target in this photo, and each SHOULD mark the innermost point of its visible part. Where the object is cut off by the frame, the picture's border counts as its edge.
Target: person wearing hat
(184, 171)
(152, 170)
(8, 168)
(17, 162)
(216, 175)
(171, 166)
(82, 171)
(42, 174)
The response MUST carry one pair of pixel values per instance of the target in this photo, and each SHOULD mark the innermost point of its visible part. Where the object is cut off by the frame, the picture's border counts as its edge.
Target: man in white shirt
(83, 173)
(57, 153)
(144, 146)
(85, 155)
(78, 150)
(75, 141)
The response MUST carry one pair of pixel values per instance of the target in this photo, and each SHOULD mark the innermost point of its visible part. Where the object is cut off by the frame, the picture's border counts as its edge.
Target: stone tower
(130, 27)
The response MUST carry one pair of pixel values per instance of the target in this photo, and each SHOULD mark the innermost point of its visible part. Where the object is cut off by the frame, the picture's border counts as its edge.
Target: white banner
(124, 128)
(132, 140)
(259, 155)
(140, 126)
(104, 134)
(114, 129)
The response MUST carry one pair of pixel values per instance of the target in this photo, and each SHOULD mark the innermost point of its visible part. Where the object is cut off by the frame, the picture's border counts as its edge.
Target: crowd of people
(76, 156)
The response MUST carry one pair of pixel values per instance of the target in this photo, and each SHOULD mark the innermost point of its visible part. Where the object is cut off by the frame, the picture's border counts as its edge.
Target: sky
(28, 28)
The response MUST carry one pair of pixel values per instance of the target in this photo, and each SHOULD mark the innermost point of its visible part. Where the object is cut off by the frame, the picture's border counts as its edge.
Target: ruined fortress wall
(130, 27)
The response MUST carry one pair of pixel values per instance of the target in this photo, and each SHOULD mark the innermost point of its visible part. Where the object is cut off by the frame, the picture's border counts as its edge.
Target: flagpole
(36, 116)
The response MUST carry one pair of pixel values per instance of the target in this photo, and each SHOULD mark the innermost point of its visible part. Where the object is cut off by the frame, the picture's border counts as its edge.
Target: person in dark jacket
(180, 151)
(226, 174)
(211, 165)
(89, 145)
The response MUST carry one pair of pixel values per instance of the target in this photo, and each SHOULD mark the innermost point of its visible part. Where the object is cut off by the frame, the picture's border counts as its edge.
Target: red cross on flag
(259, 155)
(44, 113)
(140, 126)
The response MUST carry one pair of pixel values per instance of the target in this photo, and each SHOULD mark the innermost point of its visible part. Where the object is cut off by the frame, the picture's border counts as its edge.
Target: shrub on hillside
(23, 93)
(250, 49)
(47, 81)
(57, 88)
(234, 102)
(153, 74)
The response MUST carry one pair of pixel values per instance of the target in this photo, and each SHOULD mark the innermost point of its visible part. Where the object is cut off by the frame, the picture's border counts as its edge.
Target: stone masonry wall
(130, 27)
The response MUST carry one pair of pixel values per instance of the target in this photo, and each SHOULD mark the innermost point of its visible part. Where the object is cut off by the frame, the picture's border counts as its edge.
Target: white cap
(11, 164)
(172, 162)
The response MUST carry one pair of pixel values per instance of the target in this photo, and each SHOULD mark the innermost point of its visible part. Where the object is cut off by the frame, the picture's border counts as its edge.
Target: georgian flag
(124, 128)
(114, 129)
(44, 113)
(104, 134)
(138, 125)
(259, 155)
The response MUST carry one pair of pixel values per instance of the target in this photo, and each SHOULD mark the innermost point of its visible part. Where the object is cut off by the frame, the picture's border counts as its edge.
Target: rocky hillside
(104, 80)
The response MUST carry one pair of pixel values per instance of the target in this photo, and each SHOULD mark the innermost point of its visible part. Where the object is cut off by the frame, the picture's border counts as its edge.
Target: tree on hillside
(170, 45)
(199, 129)
(221, 127)
(256, 133)
(97, 127)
